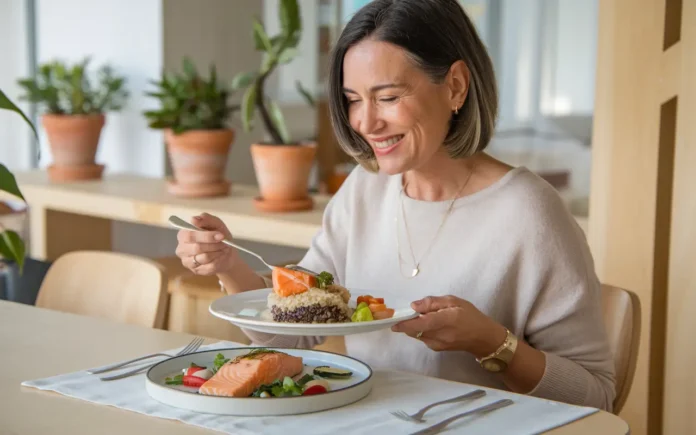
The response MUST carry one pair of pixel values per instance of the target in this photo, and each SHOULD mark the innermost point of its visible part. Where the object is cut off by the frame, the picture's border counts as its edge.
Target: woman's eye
(388, 99)
(353, 101)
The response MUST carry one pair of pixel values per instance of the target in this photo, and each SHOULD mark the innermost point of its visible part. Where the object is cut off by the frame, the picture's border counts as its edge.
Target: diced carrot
(287, 282)
(377, 307)
(384, 314)
(364, 298)
(376, 301)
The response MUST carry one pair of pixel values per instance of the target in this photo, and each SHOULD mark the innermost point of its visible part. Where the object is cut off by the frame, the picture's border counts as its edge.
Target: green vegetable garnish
(176, 380)
(324, 279)
(285, 388)
(331, 372)
(304, 379)
(219, 361)
(362, 314)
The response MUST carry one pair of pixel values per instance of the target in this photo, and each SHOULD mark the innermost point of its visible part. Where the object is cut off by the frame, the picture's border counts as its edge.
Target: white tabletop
(38, 343)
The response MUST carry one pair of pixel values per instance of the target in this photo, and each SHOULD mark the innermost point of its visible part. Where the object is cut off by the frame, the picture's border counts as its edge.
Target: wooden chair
(190, 297)
(110, 285)
(622, 318)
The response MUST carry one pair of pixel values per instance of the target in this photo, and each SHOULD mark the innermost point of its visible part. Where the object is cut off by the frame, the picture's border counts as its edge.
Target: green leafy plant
(68, 89)
(190, 102)
(277, 50)
(11, 244)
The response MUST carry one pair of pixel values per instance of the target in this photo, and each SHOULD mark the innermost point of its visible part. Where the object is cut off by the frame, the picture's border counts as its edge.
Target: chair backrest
(115, 286)
(622, 319)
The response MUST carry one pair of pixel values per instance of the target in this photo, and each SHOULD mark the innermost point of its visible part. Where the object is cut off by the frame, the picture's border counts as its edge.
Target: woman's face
(395, 107)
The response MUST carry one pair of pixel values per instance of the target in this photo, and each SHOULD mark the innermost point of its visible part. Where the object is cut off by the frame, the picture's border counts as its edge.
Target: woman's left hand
(452, 323)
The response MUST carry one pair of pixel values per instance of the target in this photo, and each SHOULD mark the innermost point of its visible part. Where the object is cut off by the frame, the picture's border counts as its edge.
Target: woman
(493, 261)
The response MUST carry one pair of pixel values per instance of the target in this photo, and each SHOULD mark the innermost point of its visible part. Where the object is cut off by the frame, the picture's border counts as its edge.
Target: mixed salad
(370, 308)
(308, 384)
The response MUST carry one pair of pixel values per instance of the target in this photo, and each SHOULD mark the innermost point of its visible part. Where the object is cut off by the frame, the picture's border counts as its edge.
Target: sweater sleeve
(326, 253)
(565, 320)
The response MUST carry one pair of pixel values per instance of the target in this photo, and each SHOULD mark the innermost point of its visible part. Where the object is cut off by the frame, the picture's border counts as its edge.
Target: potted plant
(282, 165)
(74, 114)
(12, 247)
(194, 114)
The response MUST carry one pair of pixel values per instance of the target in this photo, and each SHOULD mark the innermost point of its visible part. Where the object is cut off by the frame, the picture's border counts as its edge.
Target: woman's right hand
(203, 252)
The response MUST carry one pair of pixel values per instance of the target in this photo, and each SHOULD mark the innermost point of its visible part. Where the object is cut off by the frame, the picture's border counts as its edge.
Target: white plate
(343, 391)
(248, 310)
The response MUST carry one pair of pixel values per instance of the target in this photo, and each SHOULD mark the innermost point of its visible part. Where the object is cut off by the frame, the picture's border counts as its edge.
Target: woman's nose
(369, 121)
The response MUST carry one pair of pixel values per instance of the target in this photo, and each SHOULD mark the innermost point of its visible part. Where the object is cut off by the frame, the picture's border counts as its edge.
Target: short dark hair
(435, 34)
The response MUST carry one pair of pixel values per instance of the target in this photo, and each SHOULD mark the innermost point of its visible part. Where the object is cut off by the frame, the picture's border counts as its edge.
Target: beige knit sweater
(512, 249)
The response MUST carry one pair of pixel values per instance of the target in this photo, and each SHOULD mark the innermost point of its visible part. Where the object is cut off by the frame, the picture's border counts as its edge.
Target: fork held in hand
(177, 222)
(437, 428)
(418, 416)
(190, 348)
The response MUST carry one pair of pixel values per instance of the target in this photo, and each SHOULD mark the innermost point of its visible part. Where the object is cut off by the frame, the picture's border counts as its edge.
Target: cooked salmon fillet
(243, 377)
(288, 282)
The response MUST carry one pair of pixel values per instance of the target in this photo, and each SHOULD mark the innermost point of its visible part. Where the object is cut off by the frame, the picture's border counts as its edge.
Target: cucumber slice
(330, 372)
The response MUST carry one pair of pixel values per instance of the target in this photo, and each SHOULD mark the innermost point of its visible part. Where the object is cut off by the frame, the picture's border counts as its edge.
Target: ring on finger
(419, 335)
(195, 262)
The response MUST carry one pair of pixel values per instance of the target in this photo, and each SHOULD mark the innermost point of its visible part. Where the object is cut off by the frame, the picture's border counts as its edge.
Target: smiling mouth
(389, 142)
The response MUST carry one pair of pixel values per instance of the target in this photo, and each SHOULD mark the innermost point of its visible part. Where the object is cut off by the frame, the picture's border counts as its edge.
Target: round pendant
(415, 272)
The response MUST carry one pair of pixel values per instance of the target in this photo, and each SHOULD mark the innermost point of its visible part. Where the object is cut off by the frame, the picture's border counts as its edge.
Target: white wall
(576, 56)
(15, 136)
(305, 66)
(128, 35)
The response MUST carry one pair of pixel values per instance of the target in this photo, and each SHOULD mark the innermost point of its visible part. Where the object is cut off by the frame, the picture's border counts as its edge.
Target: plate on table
(349, 381)
(250, 310)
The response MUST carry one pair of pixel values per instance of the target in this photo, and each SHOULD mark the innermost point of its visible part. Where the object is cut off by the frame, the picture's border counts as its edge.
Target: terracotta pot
(75, 173)
(198, 159)
(282, 172)
(73, 138)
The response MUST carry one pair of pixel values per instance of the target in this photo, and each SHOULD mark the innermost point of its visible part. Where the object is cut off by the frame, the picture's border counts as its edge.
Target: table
(57, 209)
(38, 343)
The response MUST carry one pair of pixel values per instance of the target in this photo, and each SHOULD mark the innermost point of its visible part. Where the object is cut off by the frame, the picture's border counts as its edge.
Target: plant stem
(272, 130)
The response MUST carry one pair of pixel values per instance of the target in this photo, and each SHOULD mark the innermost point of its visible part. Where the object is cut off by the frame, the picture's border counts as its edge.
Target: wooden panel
(643, 207)
(625, 171)
(67, 232)
(680, 376)
(671, 72)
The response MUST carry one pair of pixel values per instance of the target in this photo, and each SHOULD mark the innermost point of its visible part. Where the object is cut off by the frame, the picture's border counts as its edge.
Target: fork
(418, 416)
(437, 428)
(190, 348)
(177, 222)
(108, 368)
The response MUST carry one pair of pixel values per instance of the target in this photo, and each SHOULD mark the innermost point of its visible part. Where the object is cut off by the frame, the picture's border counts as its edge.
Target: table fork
(108, 368)
(192, 347)
(439, 427)
(418, 416)
(177, 222)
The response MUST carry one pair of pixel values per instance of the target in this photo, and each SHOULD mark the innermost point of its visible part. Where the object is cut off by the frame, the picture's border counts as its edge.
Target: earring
(456, 110)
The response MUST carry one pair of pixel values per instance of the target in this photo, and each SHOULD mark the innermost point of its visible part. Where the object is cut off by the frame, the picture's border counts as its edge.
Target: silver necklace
(448, 212)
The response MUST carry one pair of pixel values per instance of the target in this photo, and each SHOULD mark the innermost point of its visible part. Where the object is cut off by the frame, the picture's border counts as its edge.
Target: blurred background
(544, 53)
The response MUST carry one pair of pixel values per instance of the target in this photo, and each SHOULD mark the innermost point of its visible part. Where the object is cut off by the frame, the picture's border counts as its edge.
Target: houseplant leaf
(287, 55)
(304, 93)
(261, 37)
(278, 120)
(6, 104)
(289, 15)
(12, 248)
(248, 107)
(242, 80)
(8, 182)
(189, 68)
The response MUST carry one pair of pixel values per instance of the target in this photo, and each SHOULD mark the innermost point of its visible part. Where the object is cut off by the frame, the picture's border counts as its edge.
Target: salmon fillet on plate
(242, 376)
